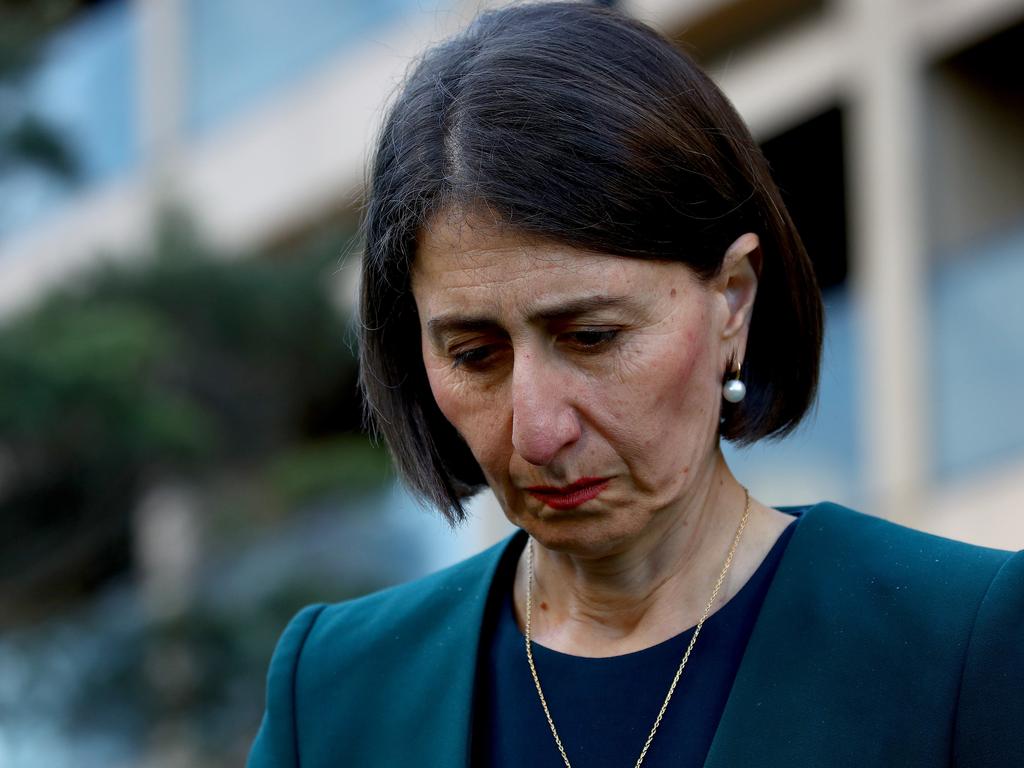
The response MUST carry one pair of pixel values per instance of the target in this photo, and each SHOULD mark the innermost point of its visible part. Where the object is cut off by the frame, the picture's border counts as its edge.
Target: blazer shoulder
(890, 586)
(277, 742)
(990, 708)
(420, 601)
(391, 651)
(406, 626)
(886, 550)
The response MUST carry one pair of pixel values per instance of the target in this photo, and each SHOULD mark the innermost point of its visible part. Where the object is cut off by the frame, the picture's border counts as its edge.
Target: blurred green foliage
(233, 374)
(230, 373)
(310, 471)
(177, 363)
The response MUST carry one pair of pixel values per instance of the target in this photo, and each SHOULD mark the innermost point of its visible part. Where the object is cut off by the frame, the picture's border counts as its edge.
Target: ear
(737, 282)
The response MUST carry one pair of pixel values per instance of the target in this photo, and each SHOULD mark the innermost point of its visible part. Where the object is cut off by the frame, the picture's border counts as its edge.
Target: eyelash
(470, 357)
(585, 341)
(596, 338)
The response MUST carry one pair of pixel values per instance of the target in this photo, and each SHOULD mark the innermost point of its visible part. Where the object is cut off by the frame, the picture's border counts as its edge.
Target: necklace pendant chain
(682, 663)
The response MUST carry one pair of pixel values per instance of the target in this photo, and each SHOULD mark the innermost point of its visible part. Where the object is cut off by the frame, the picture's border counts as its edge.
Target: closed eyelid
(589, 310)
(452, 337)
(486, 351)
(593, 339)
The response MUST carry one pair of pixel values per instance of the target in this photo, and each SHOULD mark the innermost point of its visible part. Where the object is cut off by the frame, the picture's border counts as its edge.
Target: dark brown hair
(575, 124)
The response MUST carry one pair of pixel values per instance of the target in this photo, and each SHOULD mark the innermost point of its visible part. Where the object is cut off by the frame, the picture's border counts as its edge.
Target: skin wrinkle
(635, 565)
(615, 619)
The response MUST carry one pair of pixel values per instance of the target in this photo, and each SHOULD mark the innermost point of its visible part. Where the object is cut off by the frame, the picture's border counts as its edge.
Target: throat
(642, 598)
(638, 608)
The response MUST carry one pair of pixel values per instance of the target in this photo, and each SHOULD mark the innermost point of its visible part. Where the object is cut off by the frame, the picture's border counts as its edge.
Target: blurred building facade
(895, 128)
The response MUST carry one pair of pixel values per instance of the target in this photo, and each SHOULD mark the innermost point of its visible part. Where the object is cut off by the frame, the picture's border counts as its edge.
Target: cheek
(678, 380)
(443, 385)
(680, 409)
(477, 419)
(441, 389)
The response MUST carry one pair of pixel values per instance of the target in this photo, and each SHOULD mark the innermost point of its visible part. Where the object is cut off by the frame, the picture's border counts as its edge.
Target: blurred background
(182, 464)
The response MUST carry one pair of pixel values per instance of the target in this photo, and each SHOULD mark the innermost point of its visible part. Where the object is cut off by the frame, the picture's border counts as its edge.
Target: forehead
(465, 256)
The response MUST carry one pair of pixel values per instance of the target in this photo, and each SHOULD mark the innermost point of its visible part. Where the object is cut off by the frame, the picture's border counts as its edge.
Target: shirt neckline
(724, 613)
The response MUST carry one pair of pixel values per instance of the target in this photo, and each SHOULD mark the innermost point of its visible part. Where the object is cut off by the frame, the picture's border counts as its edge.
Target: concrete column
(161, 88)
(167, 553)
(889, 270)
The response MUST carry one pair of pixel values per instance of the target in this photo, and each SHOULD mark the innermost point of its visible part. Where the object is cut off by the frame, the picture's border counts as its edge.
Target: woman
(578, 278)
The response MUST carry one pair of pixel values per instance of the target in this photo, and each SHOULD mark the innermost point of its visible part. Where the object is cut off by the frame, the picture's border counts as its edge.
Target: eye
(591, 339)
(475, 357)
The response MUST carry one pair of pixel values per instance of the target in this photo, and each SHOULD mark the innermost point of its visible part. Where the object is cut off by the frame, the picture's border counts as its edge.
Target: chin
(584, 532)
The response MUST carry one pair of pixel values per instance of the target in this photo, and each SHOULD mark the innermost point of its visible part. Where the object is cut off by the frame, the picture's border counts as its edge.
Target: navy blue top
(604, 707)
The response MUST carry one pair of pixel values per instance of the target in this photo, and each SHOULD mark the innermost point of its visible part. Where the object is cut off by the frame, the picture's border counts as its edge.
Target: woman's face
(587, 386)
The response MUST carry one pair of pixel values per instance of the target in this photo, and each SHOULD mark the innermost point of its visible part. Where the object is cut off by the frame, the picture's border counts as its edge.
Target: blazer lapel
(856, 655)
(449, 677)
(393, 683)
(765, 721)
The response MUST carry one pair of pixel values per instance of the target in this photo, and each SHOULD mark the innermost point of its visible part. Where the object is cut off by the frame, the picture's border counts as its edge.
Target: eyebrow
(449, 323)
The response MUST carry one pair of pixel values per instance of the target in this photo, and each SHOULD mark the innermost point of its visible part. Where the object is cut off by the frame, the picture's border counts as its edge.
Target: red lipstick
(569, 496)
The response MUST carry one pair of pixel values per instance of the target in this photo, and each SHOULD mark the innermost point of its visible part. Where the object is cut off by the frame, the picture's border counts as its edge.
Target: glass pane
(977, 359)
(84, 88)
(240, 51)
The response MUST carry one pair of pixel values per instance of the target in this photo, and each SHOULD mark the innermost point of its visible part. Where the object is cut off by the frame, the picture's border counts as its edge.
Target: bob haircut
(574, 124)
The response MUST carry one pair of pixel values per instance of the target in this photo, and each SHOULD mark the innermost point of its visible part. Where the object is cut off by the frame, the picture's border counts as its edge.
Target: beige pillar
(888, 256)
(161, 90)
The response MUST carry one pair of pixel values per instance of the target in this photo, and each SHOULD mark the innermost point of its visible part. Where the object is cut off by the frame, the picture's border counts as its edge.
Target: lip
(569, 496)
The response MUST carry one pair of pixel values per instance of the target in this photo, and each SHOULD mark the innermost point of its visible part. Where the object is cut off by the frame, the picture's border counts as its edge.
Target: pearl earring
(734, 390)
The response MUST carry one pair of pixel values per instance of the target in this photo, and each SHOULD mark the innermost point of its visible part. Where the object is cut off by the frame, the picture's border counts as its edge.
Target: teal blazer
(877, 645)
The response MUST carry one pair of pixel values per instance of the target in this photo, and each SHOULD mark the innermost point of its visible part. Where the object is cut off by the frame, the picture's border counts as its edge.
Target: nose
(543, 418)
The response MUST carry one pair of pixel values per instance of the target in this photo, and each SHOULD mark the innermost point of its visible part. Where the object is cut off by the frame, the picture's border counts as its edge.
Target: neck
(651, 590)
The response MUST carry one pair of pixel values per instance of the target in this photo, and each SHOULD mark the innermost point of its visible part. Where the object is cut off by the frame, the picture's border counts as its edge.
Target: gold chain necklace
(682, 664)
